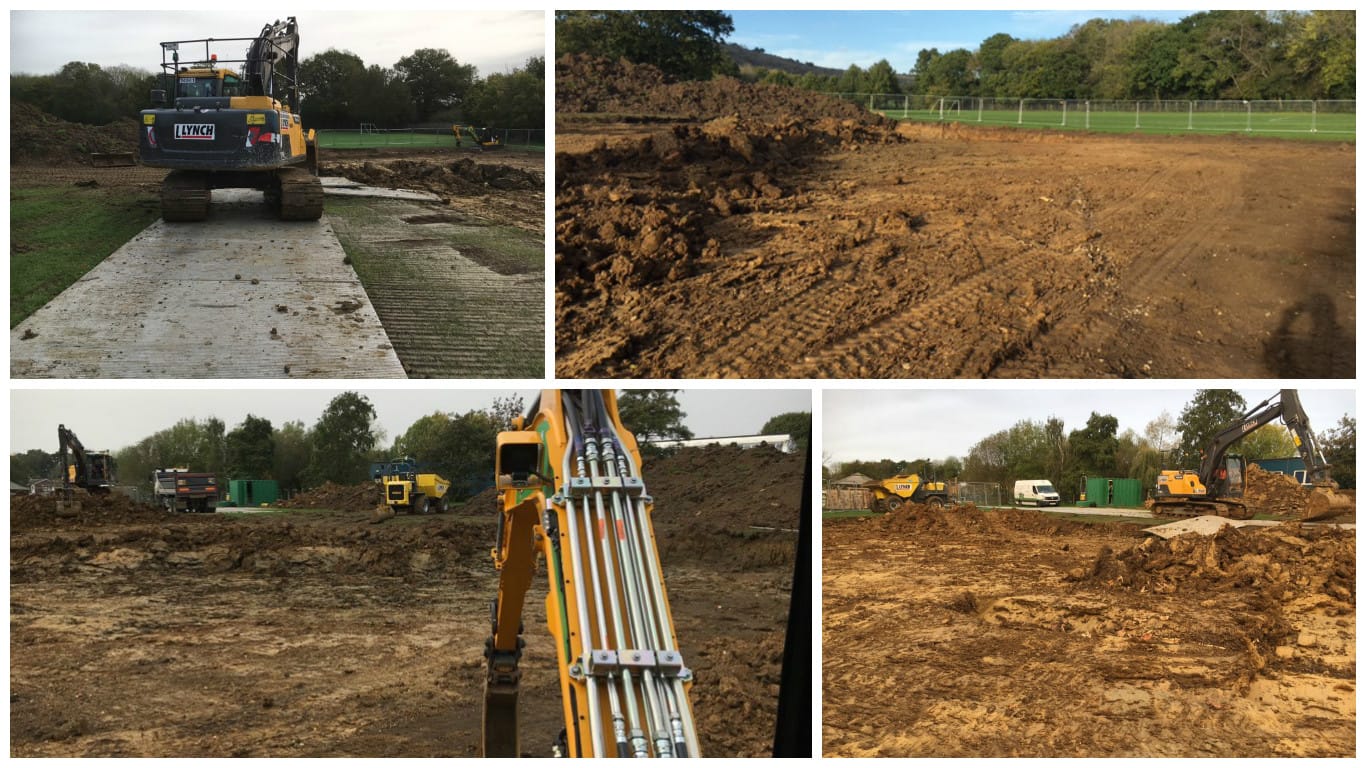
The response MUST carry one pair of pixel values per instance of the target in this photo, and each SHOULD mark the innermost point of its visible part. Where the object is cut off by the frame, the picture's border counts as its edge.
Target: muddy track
(824, 246)
(1011, 634)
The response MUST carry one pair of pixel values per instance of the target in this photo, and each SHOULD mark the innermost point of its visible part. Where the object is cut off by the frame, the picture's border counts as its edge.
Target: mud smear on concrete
(824, 241)
(1009, 633)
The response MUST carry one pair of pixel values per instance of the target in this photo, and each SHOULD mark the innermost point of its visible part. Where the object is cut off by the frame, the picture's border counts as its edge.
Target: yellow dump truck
(406, 489)
(891, 493)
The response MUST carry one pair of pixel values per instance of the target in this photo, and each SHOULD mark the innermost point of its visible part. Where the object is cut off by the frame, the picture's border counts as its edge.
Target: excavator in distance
(89, 471)
(228, 128)
(573, 493)
(1217, 487)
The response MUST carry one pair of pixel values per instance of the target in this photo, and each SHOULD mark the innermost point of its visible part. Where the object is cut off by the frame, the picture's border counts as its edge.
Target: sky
(41, 42)
(938, 423)
(108, 420)
(837, 39)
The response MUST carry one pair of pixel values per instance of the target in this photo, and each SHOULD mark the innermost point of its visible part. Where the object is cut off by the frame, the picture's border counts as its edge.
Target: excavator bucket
(1324, 503)
(112, 159)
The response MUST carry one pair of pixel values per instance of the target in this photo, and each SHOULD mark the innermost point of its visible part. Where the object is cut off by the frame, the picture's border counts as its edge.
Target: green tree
(291, 451)
(1339, 447)
(1322, 53)
(326, 86)
(1207, 414)
(436, 80)
(1272, 441)
(513, 100)
(796, 423)
(342, 441)
(881, 78)
(851, 81)
(34, 464)
(652, 414)
(1093, 451)
(686, 44)
(250, 450)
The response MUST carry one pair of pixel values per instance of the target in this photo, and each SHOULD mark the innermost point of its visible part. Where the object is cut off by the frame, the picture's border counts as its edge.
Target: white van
(1040, 493)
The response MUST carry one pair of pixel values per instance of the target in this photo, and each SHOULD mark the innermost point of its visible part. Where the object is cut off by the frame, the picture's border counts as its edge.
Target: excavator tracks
(1233, 510)
(301, 195)
(185, 196)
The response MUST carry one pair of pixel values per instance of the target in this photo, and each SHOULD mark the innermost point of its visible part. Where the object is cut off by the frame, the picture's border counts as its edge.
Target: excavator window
(519, 460)
(233, 86)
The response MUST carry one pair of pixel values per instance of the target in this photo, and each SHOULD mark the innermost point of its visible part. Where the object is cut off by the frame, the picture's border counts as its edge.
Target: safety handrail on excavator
(573, 492)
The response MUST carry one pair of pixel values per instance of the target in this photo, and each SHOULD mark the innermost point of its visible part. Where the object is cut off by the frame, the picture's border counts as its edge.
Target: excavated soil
(314, 633)
(1005, 633)
(824, 241)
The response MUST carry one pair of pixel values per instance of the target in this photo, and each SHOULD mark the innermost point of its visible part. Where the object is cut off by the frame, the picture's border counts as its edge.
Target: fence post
(1190, 117)
(1088, 114)
(1137, 104)
(1249, 115)
(1314, 116)
(979, 108)
(1064, 113)
(1020, 120)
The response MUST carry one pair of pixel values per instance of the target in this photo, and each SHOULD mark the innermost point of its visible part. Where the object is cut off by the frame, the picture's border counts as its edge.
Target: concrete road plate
(240, 295)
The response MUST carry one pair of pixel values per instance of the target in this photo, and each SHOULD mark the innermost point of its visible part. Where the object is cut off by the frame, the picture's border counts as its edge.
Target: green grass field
(58, 234)
(399, 140)
(1289, 125)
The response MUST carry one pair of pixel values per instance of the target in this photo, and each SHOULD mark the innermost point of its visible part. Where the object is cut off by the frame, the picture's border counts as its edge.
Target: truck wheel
(892, 504)
(935, 501)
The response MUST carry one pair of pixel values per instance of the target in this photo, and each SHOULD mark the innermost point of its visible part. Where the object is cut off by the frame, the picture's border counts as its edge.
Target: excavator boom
(574, 493)
(1221, 475)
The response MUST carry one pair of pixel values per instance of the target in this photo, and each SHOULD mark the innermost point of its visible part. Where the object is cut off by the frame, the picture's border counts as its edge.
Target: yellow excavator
(573, 493)
(891, 493)
(1217, 487)
(228, 127)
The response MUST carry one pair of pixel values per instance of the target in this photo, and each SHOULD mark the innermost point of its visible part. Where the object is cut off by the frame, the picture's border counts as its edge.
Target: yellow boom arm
(573, 492)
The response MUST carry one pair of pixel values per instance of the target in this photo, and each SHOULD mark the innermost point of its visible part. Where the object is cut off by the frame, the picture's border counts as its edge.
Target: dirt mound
(1274, 493)
(726, 506)
(1283, 562)
(83, 510)
(619, 238)
(588, 84)
(264, 547)
(457, 178)
(362, 497)
(37, 137)
(965, 518)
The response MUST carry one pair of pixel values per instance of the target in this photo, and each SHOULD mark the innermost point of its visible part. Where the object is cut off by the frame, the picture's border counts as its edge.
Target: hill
(750, 59)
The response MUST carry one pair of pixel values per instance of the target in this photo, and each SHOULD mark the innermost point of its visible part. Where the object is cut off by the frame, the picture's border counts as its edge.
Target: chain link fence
(980, 494)
(1327, 118)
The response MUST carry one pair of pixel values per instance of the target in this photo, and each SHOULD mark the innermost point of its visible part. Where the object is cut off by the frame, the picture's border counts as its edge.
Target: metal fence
(368, 137)
(981, 494)
(1332, 118)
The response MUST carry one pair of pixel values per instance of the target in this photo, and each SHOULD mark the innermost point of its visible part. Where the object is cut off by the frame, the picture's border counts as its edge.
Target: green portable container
(253, 493)
(1114, 491)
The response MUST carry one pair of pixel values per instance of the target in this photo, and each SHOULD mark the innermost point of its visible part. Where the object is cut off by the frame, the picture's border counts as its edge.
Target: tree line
(337, 90)
(1033, 449)
(345, 440)
(1207, 55)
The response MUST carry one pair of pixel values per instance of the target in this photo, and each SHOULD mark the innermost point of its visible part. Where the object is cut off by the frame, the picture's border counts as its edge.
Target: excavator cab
(519, 460)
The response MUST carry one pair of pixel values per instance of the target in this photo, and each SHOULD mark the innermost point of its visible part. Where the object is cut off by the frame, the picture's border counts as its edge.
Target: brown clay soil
(818, 240)
(1008, 633)
(295, 633)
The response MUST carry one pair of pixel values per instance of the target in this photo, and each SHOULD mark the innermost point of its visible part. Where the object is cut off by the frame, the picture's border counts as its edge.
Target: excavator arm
(276, 46)
(1286, 406)
(574, 494)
